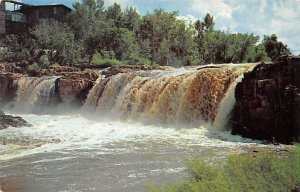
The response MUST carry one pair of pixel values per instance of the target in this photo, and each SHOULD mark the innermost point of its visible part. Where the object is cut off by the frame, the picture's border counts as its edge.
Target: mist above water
(132, 129)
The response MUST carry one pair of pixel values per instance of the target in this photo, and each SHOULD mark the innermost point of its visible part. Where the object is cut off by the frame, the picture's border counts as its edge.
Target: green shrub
(33, 69)
(107, 62)
(296, 160)
(108, 59)
(242, 173)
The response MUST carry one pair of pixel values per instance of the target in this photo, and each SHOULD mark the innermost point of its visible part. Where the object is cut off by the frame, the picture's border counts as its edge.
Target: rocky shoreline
(12, 121)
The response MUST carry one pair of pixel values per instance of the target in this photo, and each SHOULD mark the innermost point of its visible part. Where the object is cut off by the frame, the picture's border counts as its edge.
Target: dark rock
(268, 102)
(8, 86)
(11, 121)
(73, 87)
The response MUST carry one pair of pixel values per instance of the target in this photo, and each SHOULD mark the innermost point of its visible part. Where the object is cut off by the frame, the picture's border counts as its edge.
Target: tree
(115, 14)
(161, 30)
(19, 48)
(257, 53)
(57, 42)
(132, 19)
(199, 26)
(275, 48)
(89, 25)
(209, 22)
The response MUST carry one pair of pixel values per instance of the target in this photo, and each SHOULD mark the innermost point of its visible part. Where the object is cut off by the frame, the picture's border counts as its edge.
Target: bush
(107, 62)
(265, 172)
(108, 59)
(33, 69)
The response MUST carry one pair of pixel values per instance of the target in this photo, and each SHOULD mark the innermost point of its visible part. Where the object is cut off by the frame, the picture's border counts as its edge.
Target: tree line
(97, 34)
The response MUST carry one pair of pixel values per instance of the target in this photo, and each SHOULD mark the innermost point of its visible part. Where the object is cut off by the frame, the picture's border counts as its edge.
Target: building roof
(23, 4)
(54, 5)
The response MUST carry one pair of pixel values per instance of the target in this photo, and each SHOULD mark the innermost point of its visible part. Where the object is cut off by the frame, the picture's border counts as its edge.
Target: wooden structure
(23, 16)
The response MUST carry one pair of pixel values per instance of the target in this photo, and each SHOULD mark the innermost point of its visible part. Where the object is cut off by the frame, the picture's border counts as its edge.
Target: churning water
(137, 128)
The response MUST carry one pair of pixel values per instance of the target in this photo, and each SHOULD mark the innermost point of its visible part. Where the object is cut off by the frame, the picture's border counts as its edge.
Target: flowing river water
(134, 129)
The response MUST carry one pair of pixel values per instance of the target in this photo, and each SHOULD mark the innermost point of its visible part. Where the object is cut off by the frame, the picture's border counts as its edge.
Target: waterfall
(179, 97)
(186, 97)
(35, 94)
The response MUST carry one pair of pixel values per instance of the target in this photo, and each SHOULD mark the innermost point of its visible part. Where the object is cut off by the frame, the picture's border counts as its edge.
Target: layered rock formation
(268, 102)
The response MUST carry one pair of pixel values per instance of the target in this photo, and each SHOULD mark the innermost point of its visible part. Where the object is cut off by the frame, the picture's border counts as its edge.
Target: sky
(260, 17)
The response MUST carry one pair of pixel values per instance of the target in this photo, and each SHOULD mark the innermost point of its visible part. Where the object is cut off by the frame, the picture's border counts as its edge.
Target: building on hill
(21, 17)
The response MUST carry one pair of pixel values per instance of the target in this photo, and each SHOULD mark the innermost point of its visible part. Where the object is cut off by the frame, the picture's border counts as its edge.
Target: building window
(54, 11)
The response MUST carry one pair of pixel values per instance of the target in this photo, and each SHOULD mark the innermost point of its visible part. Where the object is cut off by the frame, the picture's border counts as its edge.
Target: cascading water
(35, 94)
(178, 97)
(74, 153)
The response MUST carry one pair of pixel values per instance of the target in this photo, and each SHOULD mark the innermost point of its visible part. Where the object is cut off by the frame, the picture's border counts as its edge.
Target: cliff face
(268, 102)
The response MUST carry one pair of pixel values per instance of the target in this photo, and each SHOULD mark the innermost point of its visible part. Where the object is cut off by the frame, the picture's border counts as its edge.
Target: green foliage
(158, 37)
(18, 49)
(257, 53)
(275, 48)
(167, 37)
(296, 160)
(265, 172)
(107, 59)
(57, 42)
(33, 69)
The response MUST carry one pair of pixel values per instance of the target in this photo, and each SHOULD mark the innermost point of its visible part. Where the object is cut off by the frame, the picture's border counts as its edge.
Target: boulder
(11, 121)
(268, 102)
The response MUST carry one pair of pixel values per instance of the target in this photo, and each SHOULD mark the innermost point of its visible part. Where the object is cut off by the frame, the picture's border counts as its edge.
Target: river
(133, 129)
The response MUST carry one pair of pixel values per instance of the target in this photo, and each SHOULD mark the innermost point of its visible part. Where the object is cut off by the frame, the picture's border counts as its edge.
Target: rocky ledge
(11, 121)
(72, 84)
(268, 102)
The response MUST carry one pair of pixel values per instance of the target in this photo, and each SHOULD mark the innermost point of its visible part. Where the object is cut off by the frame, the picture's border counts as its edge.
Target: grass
(108, 60)
(97, 60)
(266, 172)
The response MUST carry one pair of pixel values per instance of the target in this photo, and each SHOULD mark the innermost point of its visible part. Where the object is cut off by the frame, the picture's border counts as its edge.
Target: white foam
(67, 133)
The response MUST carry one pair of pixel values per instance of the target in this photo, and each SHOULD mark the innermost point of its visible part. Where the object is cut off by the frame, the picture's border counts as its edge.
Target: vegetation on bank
(99, 35)
(265, 172)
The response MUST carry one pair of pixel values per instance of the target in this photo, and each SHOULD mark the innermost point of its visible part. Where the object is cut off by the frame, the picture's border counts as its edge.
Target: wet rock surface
(110, 71)
(75, 86)
(8, 86)
(11, 121)
(268, 102)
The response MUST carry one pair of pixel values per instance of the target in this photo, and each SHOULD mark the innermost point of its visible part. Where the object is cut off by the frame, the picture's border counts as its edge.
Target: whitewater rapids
(133, 129)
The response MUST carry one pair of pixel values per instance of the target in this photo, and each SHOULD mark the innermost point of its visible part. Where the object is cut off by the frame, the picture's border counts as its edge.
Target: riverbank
(263, 171)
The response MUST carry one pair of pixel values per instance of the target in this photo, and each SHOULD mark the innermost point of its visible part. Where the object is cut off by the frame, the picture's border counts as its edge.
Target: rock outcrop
(8, 86)
(268, 102)
(74, 87)
(110, 71)
(11, 121)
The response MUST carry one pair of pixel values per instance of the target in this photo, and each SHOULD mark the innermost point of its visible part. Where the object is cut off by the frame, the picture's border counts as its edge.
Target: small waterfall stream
(35, 94)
